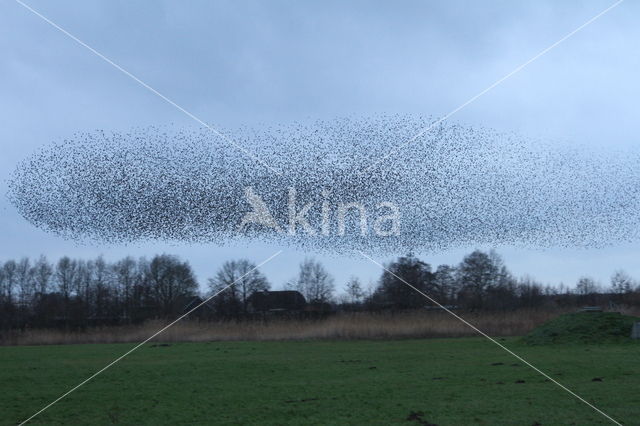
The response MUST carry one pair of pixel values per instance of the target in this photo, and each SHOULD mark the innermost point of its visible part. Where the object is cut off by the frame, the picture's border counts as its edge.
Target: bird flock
(341, 185)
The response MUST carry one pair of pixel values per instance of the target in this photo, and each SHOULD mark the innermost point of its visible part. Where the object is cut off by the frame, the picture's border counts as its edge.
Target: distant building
(276, 301)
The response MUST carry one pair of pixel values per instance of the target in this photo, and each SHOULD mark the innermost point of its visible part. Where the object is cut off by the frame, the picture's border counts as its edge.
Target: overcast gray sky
(258, 62)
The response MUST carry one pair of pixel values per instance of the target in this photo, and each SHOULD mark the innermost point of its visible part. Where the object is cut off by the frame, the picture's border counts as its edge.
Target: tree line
(482, 281)
(80, 293)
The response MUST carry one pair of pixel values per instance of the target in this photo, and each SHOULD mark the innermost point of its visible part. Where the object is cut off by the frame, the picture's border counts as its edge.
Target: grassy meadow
(459, 381)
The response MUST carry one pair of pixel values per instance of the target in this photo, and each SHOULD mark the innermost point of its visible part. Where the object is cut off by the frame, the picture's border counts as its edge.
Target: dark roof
(285, 300)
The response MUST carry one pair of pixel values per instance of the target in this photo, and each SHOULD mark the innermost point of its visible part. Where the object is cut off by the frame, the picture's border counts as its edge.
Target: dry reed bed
(344, 326)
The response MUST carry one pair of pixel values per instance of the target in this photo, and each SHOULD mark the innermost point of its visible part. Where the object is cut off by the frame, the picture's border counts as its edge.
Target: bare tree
(445, 284)
(143, 286)
(354, 289)
(393, 290)
(621, 282)
(24, 280)
(171, 279)
(101, 280)
(478, 272)
(314, 282)
(243, 279)
(3, 283)
(66, 270)
(124, 272)
(82, 281)
(586, 286)
(8, 278)
(41, 272)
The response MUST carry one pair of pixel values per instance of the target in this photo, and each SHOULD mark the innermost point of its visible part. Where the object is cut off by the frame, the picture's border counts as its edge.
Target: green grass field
(463, 381)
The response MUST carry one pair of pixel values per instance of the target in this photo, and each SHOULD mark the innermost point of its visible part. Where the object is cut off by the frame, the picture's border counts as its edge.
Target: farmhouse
(276, 301)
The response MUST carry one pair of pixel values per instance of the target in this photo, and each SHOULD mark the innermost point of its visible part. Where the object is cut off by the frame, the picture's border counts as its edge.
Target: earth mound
(584, 327)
